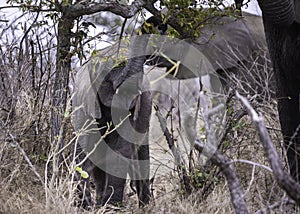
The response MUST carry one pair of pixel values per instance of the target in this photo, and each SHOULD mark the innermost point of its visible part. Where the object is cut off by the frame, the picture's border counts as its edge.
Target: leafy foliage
(193, 15)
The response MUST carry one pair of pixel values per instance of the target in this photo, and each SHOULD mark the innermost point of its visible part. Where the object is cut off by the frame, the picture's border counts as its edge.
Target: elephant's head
(226, 43)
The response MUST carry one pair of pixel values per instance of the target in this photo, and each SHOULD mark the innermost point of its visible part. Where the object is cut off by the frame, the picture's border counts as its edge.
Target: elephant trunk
(136, 60)
(297, 10)
(279, 12)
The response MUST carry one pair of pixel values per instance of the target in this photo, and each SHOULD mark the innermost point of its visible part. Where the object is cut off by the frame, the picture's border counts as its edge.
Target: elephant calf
(117, 122)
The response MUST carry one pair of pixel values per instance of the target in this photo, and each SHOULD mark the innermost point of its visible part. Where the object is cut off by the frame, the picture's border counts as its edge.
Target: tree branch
(172, 21)
(233, 183)
(126, 11)
(284, 180)
(26, 158)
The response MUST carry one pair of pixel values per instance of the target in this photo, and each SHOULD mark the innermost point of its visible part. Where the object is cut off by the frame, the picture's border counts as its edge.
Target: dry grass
(22, 193)
(29, 123)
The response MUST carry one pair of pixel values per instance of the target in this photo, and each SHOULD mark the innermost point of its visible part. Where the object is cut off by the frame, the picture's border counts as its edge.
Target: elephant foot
(84, 200)
(110, 191)
(111, 198)
(143, 191)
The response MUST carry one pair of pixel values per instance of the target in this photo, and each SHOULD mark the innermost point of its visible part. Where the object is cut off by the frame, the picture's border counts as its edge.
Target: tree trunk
(60, 86)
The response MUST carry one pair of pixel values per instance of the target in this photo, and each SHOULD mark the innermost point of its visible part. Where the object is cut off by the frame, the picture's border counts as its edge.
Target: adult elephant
(282, 30)
(112, 108)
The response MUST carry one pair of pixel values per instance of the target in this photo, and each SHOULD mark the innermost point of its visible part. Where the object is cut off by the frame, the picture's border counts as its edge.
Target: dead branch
(210, 150)
(284, 179)
(26, 158)
(177, 156)
(232, 179)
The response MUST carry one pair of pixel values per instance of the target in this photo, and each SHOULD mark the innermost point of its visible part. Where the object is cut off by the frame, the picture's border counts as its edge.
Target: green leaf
(43, 157)
(95, 52)
(78, 169)
(83, 173)
(67, 113)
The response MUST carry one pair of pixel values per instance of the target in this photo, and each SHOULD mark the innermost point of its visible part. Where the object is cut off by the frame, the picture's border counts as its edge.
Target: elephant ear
(227, 42)
(84, 97)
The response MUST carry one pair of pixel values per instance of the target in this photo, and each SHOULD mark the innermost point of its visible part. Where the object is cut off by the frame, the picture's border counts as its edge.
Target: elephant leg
(143, 186)
(99, 179)
(113, 191)
(111, 187)
(84, 197)
(290, 121)
(289, 114)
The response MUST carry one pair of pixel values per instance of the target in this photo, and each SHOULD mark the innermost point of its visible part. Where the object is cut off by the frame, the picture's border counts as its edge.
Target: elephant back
(226, 42)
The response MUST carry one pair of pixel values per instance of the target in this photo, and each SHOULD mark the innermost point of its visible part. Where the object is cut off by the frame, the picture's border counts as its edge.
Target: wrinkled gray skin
(96, 85)
(110, 188)
(233, 41)
(225, 43)
(282, 29)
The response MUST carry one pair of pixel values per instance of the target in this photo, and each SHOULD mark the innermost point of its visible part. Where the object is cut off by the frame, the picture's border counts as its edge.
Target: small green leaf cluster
(78, 37)
(82, 173)
(192, 15)
(200, 178)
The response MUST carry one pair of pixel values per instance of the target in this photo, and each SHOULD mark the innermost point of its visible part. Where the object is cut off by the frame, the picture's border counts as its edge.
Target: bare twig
(252, 163)
(26, 158)
(284, 179)
(276, 204)
(177, 156)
